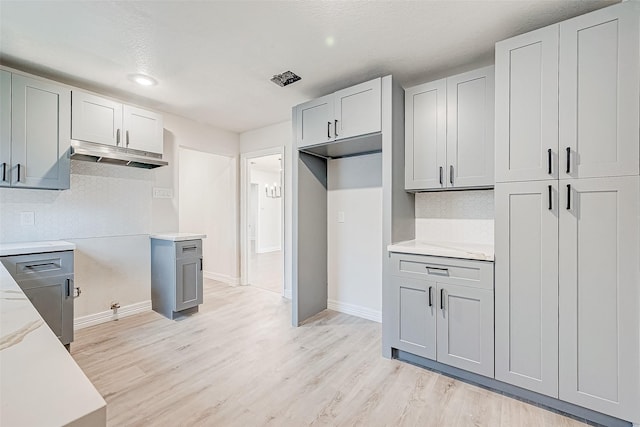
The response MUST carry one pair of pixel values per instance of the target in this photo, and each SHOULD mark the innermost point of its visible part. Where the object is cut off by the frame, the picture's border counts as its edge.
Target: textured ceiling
(213, 60)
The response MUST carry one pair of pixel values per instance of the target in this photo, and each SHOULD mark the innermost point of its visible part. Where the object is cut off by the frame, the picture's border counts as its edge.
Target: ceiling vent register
(285, 78)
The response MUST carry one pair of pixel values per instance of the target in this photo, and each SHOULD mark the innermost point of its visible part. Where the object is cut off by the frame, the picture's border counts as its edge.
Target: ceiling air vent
(285, 78)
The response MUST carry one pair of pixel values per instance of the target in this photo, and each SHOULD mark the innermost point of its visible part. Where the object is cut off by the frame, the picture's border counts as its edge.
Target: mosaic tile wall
(455, 216)
(104, 200)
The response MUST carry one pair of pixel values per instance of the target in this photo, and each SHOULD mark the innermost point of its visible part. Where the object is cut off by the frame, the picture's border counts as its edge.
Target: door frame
(245, 188)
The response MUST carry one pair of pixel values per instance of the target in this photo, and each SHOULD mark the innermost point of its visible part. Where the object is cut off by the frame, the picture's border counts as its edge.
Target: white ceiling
(214, 59)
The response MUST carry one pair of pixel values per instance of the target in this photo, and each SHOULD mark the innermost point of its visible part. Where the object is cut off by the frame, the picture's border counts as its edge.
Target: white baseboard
(109, 315)
(221, 278)
(268, 249)
(355, 310)
(287, 293)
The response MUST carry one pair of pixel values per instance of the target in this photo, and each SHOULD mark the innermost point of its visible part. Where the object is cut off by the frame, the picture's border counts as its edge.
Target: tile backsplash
(104, 200)
(455, 216)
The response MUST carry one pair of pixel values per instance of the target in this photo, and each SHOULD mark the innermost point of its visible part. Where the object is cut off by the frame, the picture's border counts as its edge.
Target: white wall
(277, 135)
(455, 216)
(207, 205)
(355, 250)
(269, 215)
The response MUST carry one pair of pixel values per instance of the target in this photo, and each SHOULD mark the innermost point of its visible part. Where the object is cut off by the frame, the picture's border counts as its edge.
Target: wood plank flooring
(238, 362)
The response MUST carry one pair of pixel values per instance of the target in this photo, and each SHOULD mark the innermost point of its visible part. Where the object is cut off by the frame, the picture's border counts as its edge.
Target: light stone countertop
(474, 251)
(21, 248)
(40, 383)
(178, 237)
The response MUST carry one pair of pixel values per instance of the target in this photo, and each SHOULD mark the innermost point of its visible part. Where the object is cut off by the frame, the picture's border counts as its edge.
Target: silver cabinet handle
(568, 159)
(19, 174)
(550, 195)
(441, 298)
(335, 127)
(328, 129)
(549, 171)
(438, 271)
(4, 171)
(441, 175)
(117, 137)
(451, 174)
(127, 138)
(568, 196)
(430, 300)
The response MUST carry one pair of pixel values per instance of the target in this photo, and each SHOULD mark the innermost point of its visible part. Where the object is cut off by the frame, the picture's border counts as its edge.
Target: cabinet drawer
(189, 249)
(33, 266)
(478, 274)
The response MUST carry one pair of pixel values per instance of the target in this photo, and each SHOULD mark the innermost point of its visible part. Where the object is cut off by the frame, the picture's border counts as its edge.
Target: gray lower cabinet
(47, 280)
(176, 276)
(442, 309)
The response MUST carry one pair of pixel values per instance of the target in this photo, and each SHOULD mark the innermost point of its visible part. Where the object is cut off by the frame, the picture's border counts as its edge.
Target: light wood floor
(238, 362)
(265, 269)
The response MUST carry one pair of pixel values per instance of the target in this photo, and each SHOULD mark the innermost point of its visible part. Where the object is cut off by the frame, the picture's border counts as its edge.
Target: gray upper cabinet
(599, 92)
(526, 110)
(449, 127)
(5, 127)
(343, 114)
(95, 119)
(40, 134)
(526, 289)
(599, 294)
(426, 136)
(103, 121)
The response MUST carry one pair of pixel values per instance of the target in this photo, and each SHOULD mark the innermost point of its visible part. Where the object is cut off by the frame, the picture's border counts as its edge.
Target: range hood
(90, 152)
(356, 146)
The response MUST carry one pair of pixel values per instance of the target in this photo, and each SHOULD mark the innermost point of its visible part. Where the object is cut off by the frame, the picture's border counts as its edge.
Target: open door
(309, 281)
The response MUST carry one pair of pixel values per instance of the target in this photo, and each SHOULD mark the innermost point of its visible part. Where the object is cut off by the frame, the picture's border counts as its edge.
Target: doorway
(263, 220)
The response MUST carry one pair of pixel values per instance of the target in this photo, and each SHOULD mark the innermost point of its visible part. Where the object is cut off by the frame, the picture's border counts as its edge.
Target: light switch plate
(162, 193)
(341, 216)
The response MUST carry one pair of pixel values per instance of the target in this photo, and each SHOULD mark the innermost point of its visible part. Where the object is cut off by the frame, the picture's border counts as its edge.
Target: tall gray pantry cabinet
(176, 273)
(567, 231)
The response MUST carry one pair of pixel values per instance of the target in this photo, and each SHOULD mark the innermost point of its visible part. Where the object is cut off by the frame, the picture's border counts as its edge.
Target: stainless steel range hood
(90, 152)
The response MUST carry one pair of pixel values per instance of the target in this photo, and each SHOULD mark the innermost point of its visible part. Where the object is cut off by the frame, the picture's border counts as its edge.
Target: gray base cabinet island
(176, 273)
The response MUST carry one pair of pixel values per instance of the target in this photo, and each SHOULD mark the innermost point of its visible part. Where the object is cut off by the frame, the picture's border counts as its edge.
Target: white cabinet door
(426, 136)
(315, 122)
(95, 119)
(599, 294)
(470, 128)
(143, 130)
(5, 128)
(526, 285)
(527, 106)
(599, 92)
(41, 137)
(358, 110)
(465, 328)
(414, 304)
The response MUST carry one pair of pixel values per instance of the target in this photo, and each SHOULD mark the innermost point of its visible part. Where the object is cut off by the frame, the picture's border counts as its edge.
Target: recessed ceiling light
(330, 41)
(143, 79)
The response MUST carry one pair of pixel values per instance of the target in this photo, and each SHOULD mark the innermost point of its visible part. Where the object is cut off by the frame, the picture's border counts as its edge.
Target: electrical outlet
(27, 218)
(162, 193)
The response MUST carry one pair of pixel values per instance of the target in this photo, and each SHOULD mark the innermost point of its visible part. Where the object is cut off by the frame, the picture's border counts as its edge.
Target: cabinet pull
(201, 262)
(550, 195)
(441, 175)
(117, 137)
(42, 265)
(568, 159)
(568, 196)
(19, 174)
(549, 161)
(328, 129)
(335, 127)
(442, 299)
(437, 270)
(451, 174)
(4, 171)
(68, 287)
(430, 301)
(127, 135)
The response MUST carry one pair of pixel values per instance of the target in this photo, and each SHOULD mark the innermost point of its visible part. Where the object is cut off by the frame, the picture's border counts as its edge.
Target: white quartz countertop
(21, 248)
(178, 237)
(40, 383)
(476, 251)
